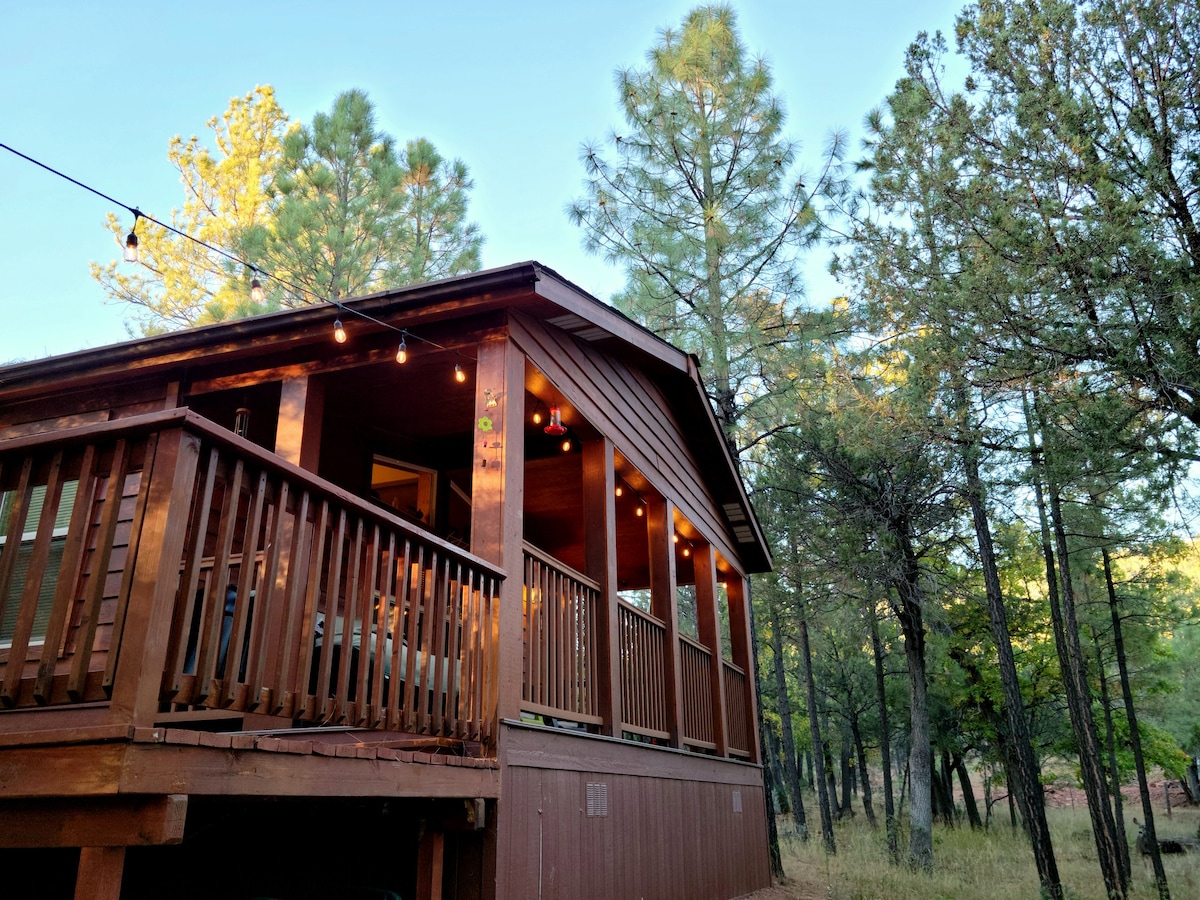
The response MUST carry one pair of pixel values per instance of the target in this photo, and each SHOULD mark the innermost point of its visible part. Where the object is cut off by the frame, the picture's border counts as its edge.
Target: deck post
(301, 411)
(142, 644)
(100, 872)
(599, 510)
(708, 622)
(430, 857)
(664, 603)
(739, 637)
(497, 500)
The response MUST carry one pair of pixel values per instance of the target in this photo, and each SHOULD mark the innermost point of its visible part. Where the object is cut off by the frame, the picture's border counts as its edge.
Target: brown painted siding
(671, 829)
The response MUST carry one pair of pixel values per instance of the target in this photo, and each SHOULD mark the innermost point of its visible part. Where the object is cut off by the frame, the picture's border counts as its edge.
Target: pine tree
(699, 204)
(178, 282)
(352, 214)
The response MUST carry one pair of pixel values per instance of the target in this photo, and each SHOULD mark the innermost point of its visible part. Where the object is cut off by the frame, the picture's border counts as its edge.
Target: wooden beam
(708, 621)
(184, 769)
(600, 554)
(100, 872)
(301, 413)
(93, 822)
(430, 855)
(664, 603)
(497, 501)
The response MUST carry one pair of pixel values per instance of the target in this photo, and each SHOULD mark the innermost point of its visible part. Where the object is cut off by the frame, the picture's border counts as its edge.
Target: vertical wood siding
(675, 836)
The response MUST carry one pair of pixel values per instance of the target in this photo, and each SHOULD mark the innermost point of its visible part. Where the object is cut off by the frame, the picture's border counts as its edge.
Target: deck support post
(497, 501)
(100, 873)
(739, 637)
(709, 625)
(599, 510)
(664, 603)
(301, 411)
(430, 856)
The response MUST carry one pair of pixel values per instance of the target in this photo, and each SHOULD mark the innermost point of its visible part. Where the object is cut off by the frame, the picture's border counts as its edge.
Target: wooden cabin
(283, 616)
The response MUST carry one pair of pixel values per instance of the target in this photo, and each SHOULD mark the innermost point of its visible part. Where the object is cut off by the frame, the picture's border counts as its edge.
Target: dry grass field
(976, 865)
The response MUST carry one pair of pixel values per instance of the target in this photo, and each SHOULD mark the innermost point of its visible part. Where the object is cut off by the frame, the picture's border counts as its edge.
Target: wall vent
(597, 799)
(737, 801)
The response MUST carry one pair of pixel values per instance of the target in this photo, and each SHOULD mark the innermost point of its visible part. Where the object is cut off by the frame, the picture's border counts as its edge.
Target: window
(408, 489)
(24, 552)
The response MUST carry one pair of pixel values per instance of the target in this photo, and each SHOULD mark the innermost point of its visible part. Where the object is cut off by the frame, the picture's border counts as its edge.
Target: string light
(620, 490)
(257, 294)
(256, 289)
(537, 413)
(566, 446)
(131, 241)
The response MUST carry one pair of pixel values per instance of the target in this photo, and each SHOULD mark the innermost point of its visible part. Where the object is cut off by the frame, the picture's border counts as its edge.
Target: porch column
(664, 603)
(301, 411)
(600, 550)
(497, 501)
(738, 591)
(708, 620)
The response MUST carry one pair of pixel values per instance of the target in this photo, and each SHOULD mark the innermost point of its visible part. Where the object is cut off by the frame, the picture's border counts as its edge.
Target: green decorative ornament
(485, 424)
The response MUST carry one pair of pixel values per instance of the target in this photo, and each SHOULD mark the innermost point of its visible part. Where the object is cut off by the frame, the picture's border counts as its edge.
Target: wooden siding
(625, 405)
(597, 818)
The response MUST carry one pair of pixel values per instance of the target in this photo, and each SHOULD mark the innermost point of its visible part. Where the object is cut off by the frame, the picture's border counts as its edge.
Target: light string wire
(137, 213)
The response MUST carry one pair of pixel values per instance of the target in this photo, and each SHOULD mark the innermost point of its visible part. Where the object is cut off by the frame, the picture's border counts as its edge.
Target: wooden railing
(737, 711)
(643, 673)
(253, 585)
(560, 658)
(697, 700)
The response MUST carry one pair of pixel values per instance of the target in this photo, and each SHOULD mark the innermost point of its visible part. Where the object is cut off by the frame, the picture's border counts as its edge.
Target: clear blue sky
(97, 91)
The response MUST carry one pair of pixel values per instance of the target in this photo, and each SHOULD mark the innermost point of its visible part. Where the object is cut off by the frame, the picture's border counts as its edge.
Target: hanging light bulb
(459, 375)
(620, 490)
(257, 294)
(131, 241)
(339, 332)
(556, 427)
(687, 549)
(675, 538)
(566, 446)
(641, 510)
(402, 351)
(537, 413)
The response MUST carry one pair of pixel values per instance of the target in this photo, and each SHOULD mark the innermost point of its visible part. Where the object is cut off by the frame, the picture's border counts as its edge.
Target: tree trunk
(940, 802)
(1020, 745)
(773, 853)
(968, 792)
(846, 807)
(885, 738)
(1135, 738)
(791, 778)
(1114, 771)
(868, 805)
(818, 748)
(908, 609)
(1070, 657)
